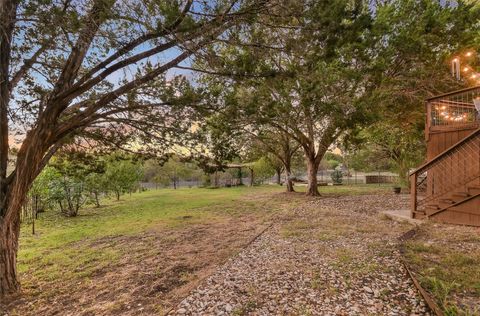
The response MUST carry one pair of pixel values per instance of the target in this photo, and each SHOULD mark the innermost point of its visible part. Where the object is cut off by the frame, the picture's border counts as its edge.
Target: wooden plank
(413, 194)
(439, 156)
(441, 96)
(454, 205)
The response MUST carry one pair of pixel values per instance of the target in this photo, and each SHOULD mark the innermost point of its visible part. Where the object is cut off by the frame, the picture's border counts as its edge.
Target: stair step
(448, 201)
(461, 194)
(432, 207)
(474, 188)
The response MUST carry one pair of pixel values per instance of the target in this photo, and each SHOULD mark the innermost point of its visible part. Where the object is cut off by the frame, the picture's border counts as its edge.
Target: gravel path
(331, 256)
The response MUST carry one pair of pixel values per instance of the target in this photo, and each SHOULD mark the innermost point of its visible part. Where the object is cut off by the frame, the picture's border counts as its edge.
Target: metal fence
(324, 177)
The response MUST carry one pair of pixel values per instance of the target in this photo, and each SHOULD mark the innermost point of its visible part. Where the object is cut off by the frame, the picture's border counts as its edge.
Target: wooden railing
(454, 110)
(448, 172)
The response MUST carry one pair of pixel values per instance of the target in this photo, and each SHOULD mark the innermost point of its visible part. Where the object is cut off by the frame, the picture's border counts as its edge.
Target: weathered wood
(453, 161)
(413, 194)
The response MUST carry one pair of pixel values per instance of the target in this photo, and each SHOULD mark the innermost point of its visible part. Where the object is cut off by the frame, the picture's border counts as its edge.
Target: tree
(332, 160)
(97, 71)
(262, 169)
(40, 192)
(96, 184)
(281, 148)
(74, 177)
(257, 143)
(369, 157)
(342, 62)
(68, 192)
(323, 88)
(337, 176)
(171, 171)
(422, 36)
(122, 175)
(277, 166)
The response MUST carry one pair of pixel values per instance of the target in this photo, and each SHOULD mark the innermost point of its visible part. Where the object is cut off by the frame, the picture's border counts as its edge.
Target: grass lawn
(142, 253)
(154, 209)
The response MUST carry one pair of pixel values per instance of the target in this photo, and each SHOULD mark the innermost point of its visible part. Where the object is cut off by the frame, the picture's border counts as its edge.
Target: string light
(457, 66)
(452, 113)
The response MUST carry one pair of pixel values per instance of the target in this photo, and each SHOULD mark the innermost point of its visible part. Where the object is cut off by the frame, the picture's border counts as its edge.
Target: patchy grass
(140, 254)
(357, 189)
(150, 210)
(136, 255)
(447, 261)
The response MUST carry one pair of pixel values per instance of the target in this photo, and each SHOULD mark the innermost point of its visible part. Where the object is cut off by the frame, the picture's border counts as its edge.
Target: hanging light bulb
(456, 68)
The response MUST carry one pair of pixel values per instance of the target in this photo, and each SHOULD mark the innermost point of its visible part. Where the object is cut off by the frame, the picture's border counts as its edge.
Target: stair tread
(462, 194)
(447, 201)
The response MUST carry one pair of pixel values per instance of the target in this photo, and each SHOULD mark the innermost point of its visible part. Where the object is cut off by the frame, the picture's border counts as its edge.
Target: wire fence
(324, 177)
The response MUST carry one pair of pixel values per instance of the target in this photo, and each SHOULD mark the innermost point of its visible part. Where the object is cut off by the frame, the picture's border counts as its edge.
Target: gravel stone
(331, 256)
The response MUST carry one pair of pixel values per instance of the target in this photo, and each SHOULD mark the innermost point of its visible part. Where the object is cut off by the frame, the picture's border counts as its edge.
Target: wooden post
(240, 181)
(251, 177)
(413, 194)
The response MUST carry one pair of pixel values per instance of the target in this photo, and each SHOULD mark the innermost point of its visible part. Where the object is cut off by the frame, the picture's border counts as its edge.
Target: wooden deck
(447, 187)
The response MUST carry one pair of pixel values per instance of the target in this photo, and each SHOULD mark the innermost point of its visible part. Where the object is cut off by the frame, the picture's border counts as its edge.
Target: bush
(337, 177)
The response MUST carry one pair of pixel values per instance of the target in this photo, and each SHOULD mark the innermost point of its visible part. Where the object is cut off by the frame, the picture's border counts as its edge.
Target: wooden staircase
(447, 188)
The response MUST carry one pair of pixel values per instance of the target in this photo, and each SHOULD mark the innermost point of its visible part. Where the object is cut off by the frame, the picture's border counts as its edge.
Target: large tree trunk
(8, 257)
(289, 181)
(10, 224)
(278, 172)
(312, 169)
(9, 218)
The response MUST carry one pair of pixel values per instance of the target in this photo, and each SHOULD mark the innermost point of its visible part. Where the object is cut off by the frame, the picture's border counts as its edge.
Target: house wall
(438, 141)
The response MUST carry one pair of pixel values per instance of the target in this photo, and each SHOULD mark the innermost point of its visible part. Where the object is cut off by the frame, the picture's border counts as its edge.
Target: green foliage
(418, 39)
(367, 158)
(69, 181)
(171, 172)
(122, 175)
(332, 160)
(337, 176)
(262, 170)
(96, 183)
